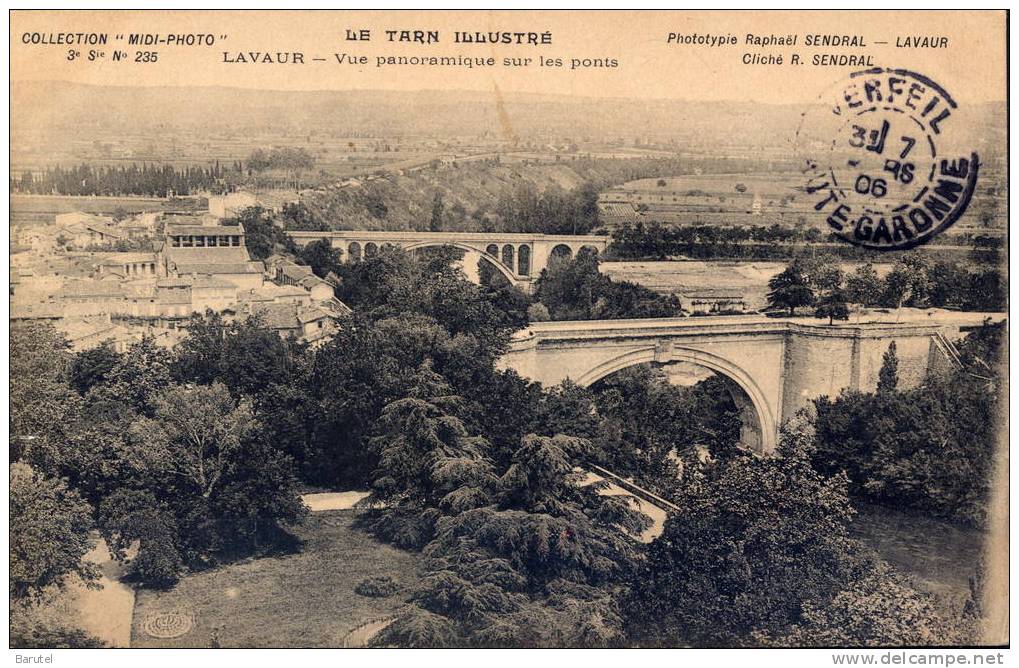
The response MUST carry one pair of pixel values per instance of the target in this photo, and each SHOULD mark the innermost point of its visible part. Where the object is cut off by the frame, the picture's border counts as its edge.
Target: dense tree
(50, 537)
(193, 435)
(132, 517)
(504, 407)
(354, 376)
(570, 288)
(823, 272)
(297, 216)
(148, 179)
(538, 312)
(790, 289)
(427, 461)
(988, 291)
(381, 282)
(534, 568)
(262, 236)
(42, 404)
(574, 289)
(643, 421)
(438, 209)
(211, 486)
(27, 632)
(396, 282)
(551, 211)
(929, 447)
(568, 408)
(49, 534)
(949, 284)
(754, 541)
(141, 374)
(864, 286)
(832, 305)
(910, 282)
(655, 240)
(879, 609)
(321, 257)
(244, 355)
(93, 366)
(283, 157)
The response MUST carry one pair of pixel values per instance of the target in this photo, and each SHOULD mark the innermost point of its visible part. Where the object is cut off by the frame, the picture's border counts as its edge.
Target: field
(721, 199)
(769, 197)
(300, 600)
(307, 599)
(749, 278)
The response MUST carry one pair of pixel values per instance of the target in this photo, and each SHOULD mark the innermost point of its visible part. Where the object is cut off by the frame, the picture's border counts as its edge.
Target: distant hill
(79, 110)
(474, 196)
(69, 106)
(48, 118)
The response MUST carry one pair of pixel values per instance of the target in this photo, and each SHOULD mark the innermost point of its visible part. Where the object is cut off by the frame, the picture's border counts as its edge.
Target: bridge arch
(508, 255)
(524, 260)
(766, 419)
(561, 251)
(493, 260)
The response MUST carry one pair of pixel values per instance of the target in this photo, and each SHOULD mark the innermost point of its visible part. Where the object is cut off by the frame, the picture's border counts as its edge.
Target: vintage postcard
(509, 329)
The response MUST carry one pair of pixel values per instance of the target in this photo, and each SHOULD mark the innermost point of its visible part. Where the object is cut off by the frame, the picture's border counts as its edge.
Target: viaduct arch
(519, 257)
(501, 266)
(757, 415)
(780, 365)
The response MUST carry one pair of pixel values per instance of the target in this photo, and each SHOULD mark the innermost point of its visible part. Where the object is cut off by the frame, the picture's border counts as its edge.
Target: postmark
(881, 165)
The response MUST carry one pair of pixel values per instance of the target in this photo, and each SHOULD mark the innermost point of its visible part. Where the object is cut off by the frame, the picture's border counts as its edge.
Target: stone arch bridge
(519, 257)
(774, 366)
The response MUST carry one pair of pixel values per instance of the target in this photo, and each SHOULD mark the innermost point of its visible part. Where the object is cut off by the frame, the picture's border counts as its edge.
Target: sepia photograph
(502, 329)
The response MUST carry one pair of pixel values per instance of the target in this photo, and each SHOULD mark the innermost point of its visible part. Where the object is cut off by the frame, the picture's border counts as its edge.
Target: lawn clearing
(301, 600)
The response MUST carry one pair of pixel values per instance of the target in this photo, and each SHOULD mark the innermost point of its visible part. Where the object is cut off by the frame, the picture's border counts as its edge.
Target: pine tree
(427, 461)
(438, 209)
(888, 377)
(790, 289)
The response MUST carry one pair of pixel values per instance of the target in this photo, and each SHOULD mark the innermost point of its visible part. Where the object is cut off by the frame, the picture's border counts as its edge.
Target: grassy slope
(301, 600)
(409, 198)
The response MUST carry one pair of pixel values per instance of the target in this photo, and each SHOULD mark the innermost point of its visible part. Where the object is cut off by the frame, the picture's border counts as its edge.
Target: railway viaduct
(774, 366)
(519, 257)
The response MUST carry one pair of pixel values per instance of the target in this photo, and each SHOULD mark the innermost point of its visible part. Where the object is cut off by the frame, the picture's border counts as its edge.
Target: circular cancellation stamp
(880, 166)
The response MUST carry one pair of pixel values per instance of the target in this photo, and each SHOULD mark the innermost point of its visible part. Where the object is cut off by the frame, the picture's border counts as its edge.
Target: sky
(971, 67)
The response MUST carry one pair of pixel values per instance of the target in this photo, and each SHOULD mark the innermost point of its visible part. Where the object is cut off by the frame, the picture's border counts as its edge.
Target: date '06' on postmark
(876, 161)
